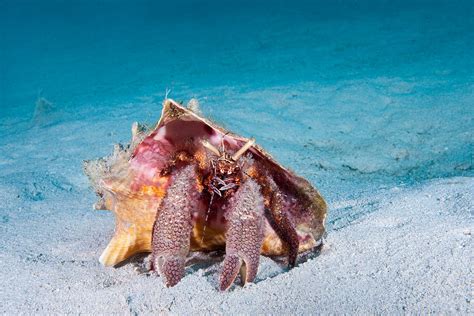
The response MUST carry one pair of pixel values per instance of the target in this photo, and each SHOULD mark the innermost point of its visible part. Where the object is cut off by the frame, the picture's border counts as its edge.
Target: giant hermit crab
(188, 185)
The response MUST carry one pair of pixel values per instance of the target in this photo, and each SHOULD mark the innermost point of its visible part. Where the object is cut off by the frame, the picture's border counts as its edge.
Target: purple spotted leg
(244, 235)
(172, 228)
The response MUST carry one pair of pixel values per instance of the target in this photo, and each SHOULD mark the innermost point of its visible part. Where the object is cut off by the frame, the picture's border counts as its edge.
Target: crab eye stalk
(211, 147)
(244, 148)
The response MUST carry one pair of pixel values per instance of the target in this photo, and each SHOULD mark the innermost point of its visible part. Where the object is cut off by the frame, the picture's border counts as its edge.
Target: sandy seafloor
(372, 101)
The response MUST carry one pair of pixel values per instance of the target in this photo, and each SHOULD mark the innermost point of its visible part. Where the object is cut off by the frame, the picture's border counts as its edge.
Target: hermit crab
(188, 185)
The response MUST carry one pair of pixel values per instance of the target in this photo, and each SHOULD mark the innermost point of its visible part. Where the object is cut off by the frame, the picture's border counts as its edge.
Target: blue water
(350, 94)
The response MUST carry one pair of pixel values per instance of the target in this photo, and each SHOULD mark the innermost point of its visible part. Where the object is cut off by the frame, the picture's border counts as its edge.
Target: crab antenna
(211, 147)
(244, 148)
(222, 142)
(167, 92)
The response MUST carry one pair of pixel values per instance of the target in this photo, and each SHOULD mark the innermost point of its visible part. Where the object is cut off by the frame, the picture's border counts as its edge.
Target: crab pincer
(244, 235)
(173, 225)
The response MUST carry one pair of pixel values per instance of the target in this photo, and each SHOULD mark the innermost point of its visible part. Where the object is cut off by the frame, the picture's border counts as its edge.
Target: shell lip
(169, 110)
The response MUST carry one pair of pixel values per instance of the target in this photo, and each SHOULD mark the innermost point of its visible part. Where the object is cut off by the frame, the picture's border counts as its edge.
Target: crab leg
(172, 228)
(283, 227)
(244, 235)
(278, 219)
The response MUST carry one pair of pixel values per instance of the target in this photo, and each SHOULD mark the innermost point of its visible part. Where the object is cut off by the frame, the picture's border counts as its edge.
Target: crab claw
(232, 265)
(170, 241)
(244, 235)
(171, 268)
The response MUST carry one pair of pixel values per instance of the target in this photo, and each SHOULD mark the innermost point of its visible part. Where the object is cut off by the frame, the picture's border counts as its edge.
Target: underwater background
(347, 93)
(372, 101)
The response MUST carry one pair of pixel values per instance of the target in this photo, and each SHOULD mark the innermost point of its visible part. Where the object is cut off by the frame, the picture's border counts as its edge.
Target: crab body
(189, 185)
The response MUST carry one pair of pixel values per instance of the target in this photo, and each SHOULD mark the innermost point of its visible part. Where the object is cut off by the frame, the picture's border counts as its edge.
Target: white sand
(404, 250)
